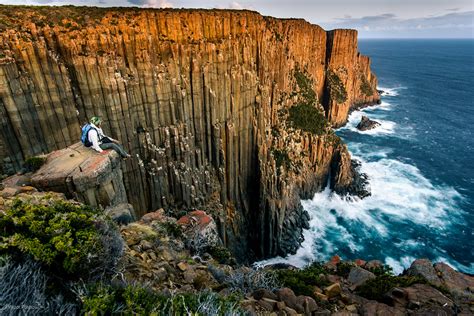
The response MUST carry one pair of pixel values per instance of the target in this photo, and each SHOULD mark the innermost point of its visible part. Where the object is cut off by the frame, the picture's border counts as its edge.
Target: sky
(372, 18)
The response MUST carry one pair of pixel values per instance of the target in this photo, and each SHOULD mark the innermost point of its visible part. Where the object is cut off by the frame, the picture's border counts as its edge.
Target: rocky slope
(226, 111)
(185, 257)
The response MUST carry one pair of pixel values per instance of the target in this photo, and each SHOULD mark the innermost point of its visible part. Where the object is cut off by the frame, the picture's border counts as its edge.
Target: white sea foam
(399, 265)
(390, 92)
(385, 128)
(400, 194)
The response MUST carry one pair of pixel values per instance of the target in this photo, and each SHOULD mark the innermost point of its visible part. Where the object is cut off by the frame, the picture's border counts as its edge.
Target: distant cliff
(227, 111)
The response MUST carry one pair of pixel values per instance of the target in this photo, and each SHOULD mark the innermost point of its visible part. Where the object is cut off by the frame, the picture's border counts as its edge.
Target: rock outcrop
(366, 124)
(83, 174)
(209, 102)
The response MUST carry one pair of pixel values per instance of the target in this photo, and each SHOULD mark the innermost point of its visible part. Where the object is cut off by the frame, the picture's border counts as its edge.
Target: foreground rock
(156, 253)
(366, 124)
(82, 173)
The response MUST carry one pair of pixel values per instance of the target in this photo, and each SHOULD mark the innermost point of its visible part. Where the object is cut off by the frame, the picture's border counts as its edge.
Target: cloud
(235, 5)
(462, 23)
(152, 3)
(453, 9)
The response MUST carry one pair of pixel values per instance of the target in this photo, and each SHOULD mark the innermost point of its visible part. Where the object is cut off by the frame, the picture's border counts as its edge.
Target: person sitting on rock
(94, 137)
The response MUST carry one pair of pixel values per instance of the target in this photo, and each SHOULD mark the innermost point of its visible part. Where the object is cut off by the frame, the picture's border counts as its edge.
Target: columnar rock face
(353, 70)
(211, 103)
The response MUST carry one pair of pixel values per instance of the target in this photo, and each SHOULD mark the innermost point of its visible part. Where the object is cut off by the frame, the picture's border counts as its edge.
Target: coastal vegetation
(306, 115)
(336, 89)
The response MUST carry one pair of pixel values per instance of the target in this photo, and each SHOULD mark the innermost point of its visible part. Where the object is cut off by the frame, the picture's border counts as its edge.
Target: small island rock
(367, 124)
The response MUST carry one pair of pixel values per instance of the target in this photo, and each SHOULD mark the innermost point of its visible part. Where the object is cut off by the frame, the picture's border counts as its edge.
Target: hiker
(93, 136)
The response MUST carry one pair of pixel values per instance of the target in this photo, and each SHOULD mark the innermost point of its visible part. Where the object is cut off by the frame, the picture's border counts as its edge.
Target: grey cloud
(151, 3)
(460, 22)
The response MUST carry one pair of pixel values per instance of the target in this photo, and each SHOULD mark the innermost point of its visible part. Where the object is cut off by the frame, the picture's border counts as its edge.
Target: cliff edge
(226, 111)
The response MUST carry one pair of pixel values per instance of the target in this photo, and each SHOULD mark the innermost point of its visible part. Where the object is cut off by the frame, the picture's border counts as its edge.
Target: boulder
(83, 174)
(335, 259)
(372, 264)
(456, 282)
(425, 269)
(266, 304)
(122, 213)
(333, 290)
(423, 294)
(358, 276)
(9, 192)
(373, 308)
(366, 124)
(264, 293)
(396, 297)
(308, 303)
(200, 231)
(288, 296)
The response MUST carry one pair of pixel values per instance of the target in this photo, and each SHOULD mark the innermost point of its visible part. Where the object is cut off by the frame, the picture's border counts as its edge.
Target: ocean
(420, 164)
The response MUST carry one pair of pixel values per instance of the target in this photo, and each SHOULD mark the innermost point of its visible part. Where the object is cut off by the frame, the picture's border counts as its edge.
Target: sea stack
(366, 124)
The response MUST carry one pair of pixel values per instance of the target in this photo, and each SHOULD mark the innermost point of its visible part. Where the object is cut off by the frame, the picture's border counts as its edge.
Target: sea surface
(420, 164)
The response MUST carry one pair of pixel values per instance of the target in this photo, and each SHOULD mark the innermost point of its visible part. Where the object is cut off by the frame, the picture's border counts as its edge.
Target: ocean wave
(390, 92)
(403, 217)
(385, 128)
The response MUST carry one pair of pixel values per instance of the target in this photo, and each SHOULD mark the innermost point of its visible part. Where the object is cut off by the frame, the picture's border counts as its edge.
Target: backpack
(85, 135)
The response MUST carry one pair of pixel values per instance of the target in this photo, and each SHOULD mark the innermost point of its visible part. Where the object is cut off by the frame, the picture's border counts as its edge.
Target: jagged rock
(267, 304)
(308, 303)
(9, 192)
(122, 213)
(335, 259)
(373, 264)
(288, 296)
(424, 268)
(183, 266)
(366, 124)
(358, 276)
(396, 297)
(264, 293)
(457, 283)
(333, 290)
(422, 294)
(200, 230)
(373, 308)
(347, 179)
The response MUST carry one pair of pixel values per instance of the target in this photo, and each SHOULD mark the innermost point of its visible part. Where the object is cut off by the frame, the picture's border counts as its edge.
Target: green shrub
(306, 87)
(382, 270)
(221, 254)
(335, 87)
(136, 299)
(32, 164)
(344, 268)
(69, 238)
(308, 118)
(303, 281)
(365, 87)
(173, 229)
(375, 289)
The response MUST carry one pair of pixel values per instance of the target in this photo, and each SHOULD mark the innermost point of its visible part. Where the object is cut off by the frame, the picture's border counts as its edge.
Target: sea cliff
(226, 111)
